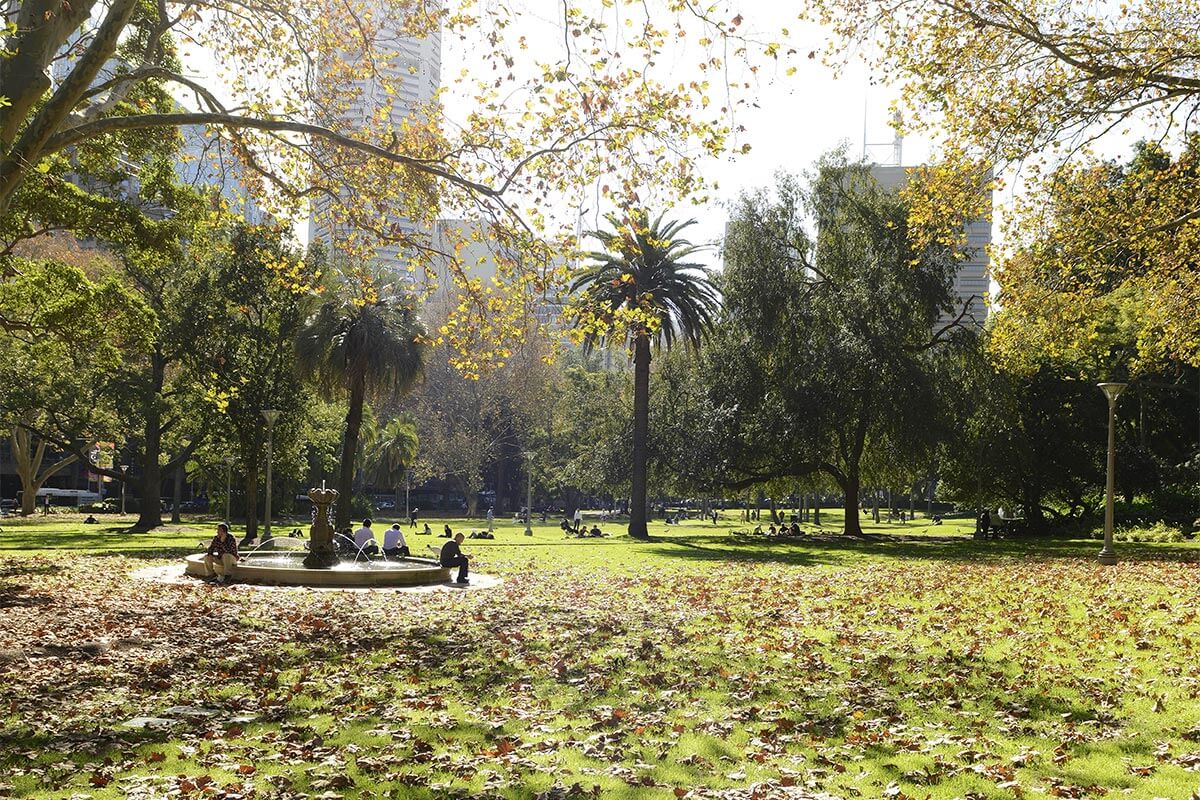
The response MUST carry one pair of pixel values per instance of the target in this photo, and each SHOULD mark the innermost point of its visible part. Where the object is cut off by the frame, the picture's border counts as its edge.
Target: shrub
(1146, 532)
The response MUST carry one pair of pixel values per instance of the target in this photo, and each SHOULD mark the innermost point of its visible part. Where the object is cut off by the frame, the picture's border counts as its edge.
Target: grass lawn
(914, 662)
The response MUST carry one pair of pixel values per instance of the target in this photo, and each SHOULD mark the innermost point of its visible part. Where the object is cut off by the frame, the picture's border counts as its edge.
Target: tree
(66, 338)
(288, 78)
(393, 454)
(642, 290)
(28, 454)
(361, 345)
(255, 315)
(1011, 77)
(1093, 294)
(828, 346)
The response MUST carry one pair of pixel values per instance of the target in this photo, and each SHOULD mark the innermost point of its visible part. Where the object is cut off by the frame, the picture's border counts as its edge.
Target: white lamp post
(529, 493)
(1112, 391)
(270, 415)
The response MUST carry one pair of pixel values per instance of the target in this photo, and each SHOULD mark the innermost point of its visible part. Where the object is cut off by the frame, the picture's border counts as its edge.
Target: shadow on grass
(836, 549)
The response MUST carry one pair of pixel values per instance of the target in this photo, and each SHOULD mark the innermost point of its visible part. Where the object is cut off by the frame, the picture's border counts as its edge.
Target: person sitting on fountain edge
(222, 555)
(452, 556)
(394, 545)
(364, 539)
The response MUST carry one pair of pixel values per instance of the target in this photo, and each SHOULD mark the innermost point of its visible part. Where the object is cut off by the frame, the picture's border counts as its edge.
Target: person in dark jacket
(453, 556)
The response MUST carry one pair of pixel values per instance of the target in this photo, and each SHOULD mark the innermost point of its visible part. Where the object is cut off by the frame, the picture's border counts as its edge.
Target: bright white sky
(798, 118)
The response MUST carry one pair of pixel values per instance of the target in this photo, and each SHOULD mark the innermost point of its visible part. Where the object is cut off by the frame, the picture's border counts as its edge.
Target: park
(453, 399)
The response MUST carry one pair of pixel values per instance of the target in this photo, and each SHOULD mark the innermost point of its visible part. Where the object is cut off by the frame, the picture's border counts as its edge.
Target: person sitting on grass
(222, 555)
(394, 545)
(453, 556)
(796, 529)
(364, 539)
(596, 531)
(427, 531)
(447, 532)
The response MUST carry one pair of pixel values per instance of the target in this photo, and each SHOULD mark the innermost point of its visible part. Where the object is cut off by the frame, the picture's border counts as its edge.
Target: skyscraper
(401, 85)
(973, 279)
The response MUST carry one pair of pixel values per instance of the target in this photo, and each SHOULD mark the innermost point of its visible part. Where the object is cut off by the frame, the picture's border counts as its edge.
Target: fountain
(320, 565)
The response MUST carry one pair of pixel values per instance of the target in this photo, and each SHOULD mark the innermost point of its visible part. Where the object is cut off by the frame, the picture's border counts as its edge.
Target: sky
(798, 118)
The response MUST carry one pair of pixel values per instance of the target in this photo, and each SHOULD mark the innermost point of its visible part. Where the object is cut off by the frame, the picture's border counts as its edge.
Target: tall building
(405, 79)
(973, 280)
(206, 161)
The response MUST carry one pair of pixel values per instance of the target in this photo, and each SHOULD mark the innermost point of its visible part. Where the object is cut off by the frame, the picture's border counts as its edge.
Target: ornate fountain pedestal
(321, 552)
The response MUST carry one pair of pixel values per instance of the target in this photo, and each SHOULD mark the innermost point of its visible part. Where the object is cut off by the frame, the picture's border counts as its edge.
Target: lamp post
(407, 485)
(124, 479)
(529, 493)
(228, 485)
(1112, 391)
(270, 415)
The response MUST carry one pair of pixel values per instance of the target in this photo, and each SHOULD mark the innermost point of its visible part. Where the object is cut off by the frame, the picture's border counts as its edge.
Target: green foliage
(829, 350)
(1161, 532)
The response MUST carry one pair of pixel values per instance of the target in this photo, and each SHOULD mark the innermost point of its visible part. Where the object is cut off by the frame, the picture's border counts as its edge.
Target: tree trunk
(177, 496)
(641, 435)
(150, 485)
(501, 477)
(816, 510)
(250, 487)
(349, 449)
(852, 525)
(28, 462)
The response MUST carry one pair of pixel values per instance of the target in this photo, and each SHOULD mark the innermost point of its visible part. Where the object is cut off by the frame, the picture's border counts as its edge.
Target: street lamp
(270, 415)
(124, 476)
(529, 493)
(1112, 391)
(228, 485)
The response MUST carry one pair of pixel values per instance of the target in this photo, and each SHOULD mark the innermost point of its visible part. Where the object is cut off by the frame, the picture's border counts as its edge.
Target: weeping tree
(642, 290)
(364, 342)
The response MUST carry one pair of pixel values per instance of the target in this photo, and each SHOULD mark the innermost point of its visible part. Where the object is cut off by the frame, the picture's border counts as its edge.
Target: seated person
(447, 532)
(566, 526)
(343, 540)
(394, 545)
(222, 555)
(427, 531)
(771, 530)
(90, 520)
(795, 530)
(364, 540)
(595, 531)
(452, 556)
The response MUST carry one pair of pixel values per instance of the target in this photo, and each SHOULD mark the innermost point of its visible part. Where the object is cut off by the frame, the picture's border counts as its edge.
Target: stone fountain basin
(287, 569)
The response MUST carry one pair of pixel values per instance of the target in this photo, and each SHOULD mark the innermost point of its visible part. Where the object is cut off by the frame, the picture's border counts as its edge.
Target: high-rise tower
(400, 87)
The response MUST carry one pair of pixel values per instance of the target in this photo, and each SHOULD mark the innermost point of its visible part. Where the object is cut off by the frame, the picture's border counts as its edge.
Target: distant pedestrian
(578, 519)
(412, 518)
(491, 518)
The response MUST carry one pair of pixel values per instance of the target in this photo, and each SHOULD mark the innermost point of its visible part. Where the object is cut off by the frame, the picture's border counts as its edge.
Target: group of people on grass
(782, 530)
(221, 557)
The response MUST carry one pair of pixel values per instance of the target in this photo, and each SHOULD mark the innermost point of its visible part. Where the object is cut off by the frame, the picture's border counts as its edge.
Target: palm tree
(642, 288)
(361, 345)
(393, 453)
